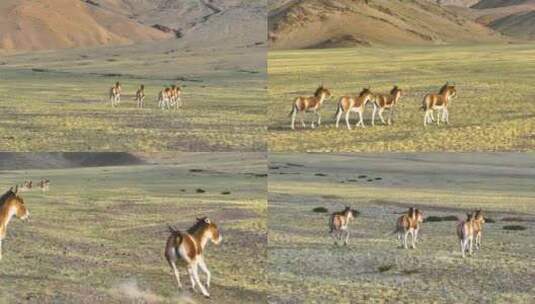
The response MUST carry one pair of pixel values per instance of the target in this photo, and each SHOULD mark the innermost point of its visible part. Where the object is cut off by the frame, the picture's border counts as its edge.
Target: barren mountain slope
(54, 24)
(332, 23)
(51, 24)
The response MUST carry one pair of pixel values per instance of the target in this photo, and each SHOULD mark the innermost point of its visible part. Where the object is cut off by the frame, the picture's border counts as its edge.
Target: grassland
(98, 235)
(305, 266)
(57, 101)
(494, 110)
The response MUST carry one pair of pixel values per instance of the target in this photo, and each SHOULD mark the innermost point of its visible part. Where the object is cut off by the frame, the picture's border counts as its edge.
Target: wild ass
(44, 184)
(348, 104)
(189, 247)
(338, 224)
(479, 220)
(115, 94)
(140, 96)
(163, 98)
(309, 104)
(438, 102)
(465, 232)
(409, 224)
(11, 204)
(386, 101)
(26, 186)
(175, 98)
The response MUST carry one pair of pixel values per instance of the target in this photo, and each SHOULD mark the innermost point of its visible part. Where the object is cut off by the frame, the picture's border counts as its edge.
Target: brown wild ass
(348, 104)
(189, 247)
(175, 99)
(386, 101)
(11, 204)
(465, 232)
(163, 98)
(309, 104)
(26, 186)
(438, 102)
(338, 224)
(140, 96)
(115, 94)
(479, 220)
(409, 224)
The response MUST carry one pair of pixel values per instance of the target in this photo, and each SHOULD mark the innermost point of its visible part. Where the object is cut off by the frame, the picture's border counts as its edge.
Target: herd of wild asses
(28, 185)
(182, 247)
(380, 101)
(168, 97)
(468, 230)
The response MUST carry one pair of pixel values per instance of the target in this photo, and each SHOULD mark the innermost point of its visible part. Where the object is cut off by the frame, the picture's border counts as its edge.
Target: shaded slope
(53, 24)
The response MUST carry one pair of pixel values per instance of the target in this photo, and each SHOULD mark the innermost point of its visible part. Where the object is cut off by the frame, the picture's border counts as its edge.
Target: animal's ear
(16, 189)
(207, 220)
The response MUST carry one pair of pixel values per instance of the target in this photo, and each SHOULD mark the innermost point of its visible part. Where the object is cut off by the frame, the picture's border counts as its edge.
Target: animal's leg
(196, 277)
(319, 118)
(333, 235)
(413, 234)
(347, 238)
(313, 122)
(303, 119)
(191, 278)
(426, 115)
(439, 116)
(203, 267)
(478, 240)
(347, 120)
(471, 240)
(0, 249)
(177, 275)
(405, 239)
(361, 119)
(294, 113)
(447, 121)
(400, 238)
(338, 116)
(462, 247)
(373, 114)
(381, 110)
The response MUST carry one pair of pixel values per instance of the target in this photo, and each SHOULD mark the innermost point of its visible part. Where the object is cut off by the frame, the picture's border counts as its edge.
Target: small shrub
(320, 174)
(385, 268)
(199, 190)
(514, 227)
(320, 210)
(489, 220)
(225, 192)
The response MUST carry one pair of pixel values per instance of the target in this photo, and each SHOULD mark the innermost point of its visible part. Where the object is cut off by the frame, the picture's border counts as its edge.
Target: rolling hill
(335, 23)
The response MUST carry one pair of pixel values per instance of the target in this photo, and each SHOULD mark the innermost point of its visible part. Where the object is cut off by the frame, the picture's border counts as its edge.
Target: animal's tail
(294, 109)
(424, 104)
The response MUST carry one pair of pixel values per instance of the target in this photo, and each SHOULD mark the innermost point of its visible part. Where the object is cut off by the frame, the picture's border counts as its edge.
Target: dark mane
(364, 91)
(444, 88)
(318, 91)
(9, 194)
(200, 224)
(394, 90)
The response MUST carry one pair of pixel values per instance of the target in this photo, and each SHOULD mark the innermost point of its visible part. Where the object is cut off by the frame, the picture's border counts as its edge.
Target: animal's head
(211, 229)
(367, 94)
(419, 215)
(469, 217)
(478, 216)
(449, 89)
(142, 87)
(117, 84)
(322, 91)
(396, 92)
(17, 202)
(348, 212)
